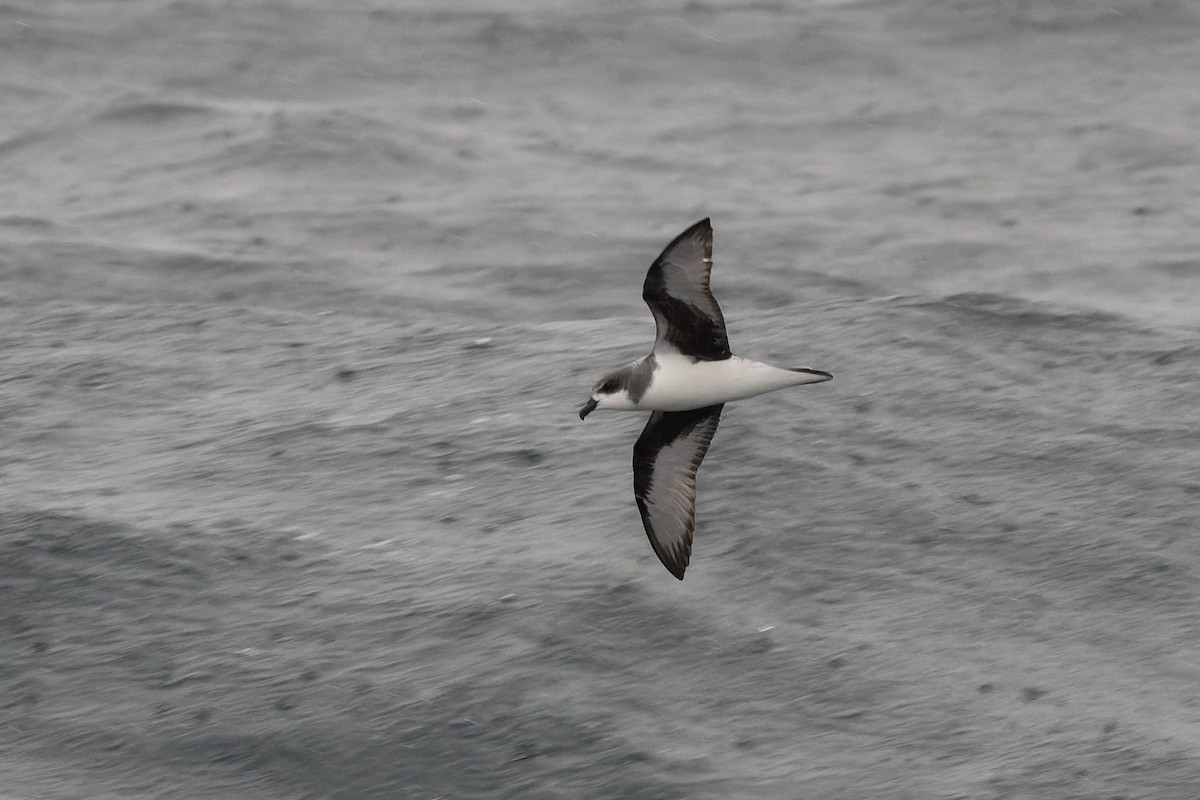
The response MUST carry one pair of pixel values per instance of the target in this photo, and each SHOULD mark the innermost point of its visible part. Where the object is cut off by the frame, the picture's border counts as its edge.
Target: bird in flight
(684, 383)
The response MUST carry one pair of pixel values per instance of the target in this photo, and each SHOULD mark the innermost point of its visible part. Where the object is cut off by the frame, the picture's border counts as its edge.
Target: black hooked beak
(588, 407)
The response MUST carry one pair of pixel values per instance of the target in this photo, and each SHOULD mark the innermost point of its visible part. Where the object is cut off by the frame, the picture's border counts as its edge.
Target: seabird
(684, 382)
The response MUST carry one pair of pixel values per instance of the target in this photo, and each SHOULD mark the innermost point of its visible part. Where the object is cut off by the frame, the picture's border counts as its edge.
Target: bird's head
(608, 392)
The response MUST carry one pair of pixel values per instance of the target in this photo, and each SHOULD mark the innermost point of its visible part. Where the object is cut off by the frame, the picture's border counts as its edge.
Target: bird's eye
(609, 386)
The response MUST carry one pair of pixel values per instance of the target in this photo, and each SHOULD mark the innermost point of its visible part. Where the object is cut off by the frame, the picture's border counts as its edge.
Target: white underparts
(681, 383)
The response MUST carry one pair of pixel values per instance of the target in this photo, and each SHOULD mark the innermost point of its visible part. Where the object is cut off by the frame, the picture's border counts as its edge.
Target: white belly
(680, 384)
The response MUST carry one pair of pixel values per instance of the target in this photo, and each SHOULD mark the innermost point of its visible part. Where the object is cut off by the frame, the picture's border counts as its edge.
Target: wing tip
(676, 563)
(698, 231)
(675, 567)
(704, 226)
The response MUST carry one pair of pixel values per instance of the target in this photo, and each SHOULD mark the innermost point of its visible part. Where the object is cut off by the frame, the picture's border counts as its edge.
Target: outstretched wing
(665, 460)
(686, 314)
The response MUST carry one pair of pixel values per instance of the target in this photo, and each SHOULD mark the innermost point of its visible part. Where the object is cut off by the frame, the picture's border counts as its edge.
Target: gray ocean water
(298, 302)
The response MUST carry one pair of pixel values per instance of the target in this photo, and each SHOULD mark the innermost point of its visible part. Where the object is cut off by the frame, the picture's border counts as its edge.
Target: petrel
(684, 383)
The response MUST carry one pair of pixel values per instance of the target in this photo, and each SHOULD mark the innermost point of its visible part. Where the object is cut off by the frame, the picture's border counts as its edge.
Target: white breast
(680, 383)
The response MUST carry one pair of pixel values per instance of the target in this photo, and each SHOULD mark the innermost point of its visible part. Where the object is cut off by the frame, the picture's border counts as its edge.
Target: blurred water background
(298, 301)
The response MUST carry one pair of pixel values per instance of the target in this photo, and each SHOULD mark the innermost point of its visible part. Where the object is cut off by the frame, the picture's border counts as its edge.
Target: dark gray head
(621, 389)
(603, 390)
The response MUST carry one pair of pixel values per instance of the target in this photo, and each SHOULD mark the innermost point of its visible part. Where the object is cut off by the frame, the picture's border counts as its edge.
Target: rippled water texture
(298, 302)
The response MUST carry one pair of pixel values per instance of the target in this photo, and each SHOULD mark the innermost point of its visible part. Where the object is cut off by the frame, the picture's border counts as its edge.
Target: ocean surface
(299, 301)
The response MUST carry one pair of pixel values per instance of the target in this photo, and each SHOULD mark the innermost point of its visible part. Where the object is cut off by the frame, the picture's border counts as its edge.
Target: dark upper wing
(665, 460)
(686, 314)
